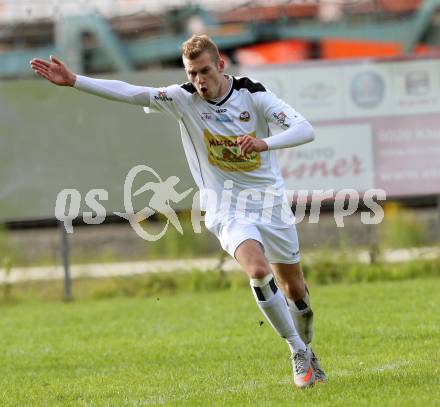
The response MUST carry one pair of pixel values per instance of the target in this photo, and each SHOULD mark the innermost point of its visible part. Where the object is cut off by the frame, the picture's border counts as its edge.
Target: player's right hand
(54, 71)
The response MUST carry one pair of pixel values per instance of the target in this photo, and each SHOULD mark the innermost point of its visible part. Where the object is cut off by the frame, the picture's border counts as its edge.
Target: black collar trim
(226, 97)
(189, 87)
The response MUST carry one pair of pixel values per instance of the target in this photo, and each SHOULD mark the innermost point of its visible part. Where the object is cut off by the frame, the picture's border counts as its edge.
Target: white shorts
(280, 244)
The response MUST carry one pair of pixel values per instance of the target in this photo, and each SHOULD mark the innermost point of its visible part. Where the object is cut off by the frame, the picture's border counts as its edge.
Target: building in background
(123, 35)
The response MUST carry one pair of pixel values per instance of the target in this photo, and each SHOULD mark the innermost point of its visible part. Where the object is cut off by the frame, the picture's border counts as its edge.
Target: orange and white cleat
(320, 376)
(303, 374)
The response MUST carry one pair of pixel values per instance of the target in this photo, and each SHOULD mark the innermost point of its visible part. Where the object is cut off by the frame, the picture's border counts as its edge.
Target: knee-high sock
(302, 316)
(274, 307)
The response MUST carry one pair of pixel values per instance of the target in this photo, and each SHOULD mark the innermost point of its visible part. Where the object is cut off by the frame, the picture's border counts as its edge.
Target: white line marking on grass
(391, 366)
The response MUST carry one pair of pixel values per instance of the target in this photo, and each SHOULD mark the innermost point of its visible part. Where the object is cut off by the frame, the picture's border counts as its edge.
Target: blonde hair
(197, 44)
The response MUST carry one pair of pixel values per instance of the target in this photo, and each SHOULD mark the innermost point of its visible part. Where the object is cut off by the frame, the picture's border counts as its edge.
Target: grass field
(379, 343)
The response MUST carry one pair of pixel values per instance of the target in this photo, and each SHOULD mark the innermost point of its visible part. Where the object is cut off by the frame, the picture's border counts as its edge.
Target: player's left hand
(249, 144)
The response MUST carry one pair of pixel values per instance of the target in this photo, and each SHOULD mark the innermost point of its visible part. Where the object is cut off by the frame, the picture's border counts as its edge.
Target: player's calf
(302, 316)
(273, 305)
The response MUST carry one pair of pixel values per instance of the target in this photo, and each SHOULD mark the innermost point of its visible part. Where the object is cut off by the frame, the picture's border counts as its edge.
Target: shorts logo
(245, 116)
(162, 95)
(281, 119)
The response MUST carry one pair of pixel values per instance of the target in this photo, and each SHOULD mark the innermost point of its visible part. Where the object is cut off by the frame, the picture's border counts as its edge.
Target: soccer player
(224, 125)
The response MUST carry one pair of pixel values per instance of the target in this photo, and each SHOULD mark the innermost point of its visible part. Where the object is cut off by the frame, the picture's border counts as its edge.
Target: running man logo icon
(163, 193)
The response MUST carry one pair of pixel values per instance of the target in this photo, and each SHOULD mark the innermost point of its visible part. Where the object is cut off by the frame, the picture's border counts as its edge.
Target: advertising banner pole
(65, 256)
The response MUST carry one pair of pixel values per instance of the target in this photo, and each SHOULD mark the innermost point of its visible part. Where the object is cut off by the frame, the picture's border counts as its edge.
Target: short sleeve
(277, 111)
(170, 99)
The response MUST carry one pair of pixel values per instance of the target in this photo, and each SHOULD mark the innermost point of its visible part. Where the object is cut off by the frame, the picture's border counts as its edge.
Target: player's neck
(225, 88)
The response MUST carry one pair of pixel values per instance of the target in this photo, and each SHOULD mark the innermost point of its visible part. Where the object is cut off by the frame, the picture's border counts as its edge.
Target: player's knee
(257, 271)
(292, 289)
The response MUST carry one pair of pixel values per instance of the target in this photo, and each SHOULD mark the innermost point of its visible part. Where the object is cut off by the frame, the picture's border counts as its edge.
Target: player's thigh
(242, 240)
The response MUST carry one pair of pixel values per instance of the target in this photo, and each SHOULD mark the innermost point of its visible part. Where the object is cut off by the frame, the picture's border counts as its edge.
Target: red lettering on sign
(319, 168)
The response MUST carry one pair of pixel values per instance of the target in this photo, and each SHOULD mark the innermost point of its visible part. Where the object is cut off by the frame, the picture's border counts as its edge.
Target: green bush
(153, 284)
(319, 270)
(338, 269)
(400, 228)
(7, 250)
(186, 245)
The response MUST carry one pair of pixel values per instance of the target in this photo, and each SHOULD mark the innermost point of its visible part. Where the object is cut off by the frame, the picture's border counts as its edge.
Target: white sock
(274, 307)
(302, 316)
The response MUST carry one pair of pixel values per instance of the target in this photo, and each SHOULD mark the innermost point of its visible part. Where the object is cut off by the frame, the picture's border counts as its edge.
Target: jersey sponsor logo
(223, 118)
(281, 118)
(224, 153)
(245, 116)
(221, 110)
(162, 96)
(207, 116)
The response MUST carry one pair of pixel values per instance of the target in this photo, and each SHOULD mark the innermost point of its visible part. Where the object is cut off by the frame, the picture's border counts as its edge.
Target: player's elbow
(309, 132)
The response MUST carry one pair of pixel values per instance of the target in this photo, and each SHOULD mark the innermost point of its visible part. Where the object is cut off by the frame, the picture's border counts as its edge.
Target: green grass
(379, 343)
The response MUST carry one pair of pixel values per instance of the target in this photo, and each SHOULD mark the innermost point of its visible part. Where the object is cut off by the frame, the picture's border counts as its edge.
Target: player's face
(206, 75)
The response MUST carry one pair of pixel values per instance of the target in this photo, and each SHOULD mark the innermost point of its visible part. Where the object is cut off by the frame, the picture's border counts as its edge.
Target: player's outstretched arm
(54, 71)
(57, 72)
(296, 135)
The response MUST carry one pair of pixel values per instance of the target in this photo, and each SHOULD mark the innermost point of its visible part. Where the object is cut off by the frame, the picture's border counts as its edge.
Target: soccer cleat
(320, 376)
(303, 374)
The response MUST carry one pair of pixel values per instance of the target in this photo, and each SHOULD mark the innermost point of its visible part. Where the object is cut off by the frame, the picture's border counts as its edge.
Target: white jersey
(209, 133)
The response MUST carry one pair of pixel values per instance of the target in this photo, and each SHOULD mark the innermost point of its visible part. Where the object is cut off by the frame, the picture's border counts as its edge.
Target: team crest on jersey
(162, 95)
(245, 116)
(224, 153)
(281, 119)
